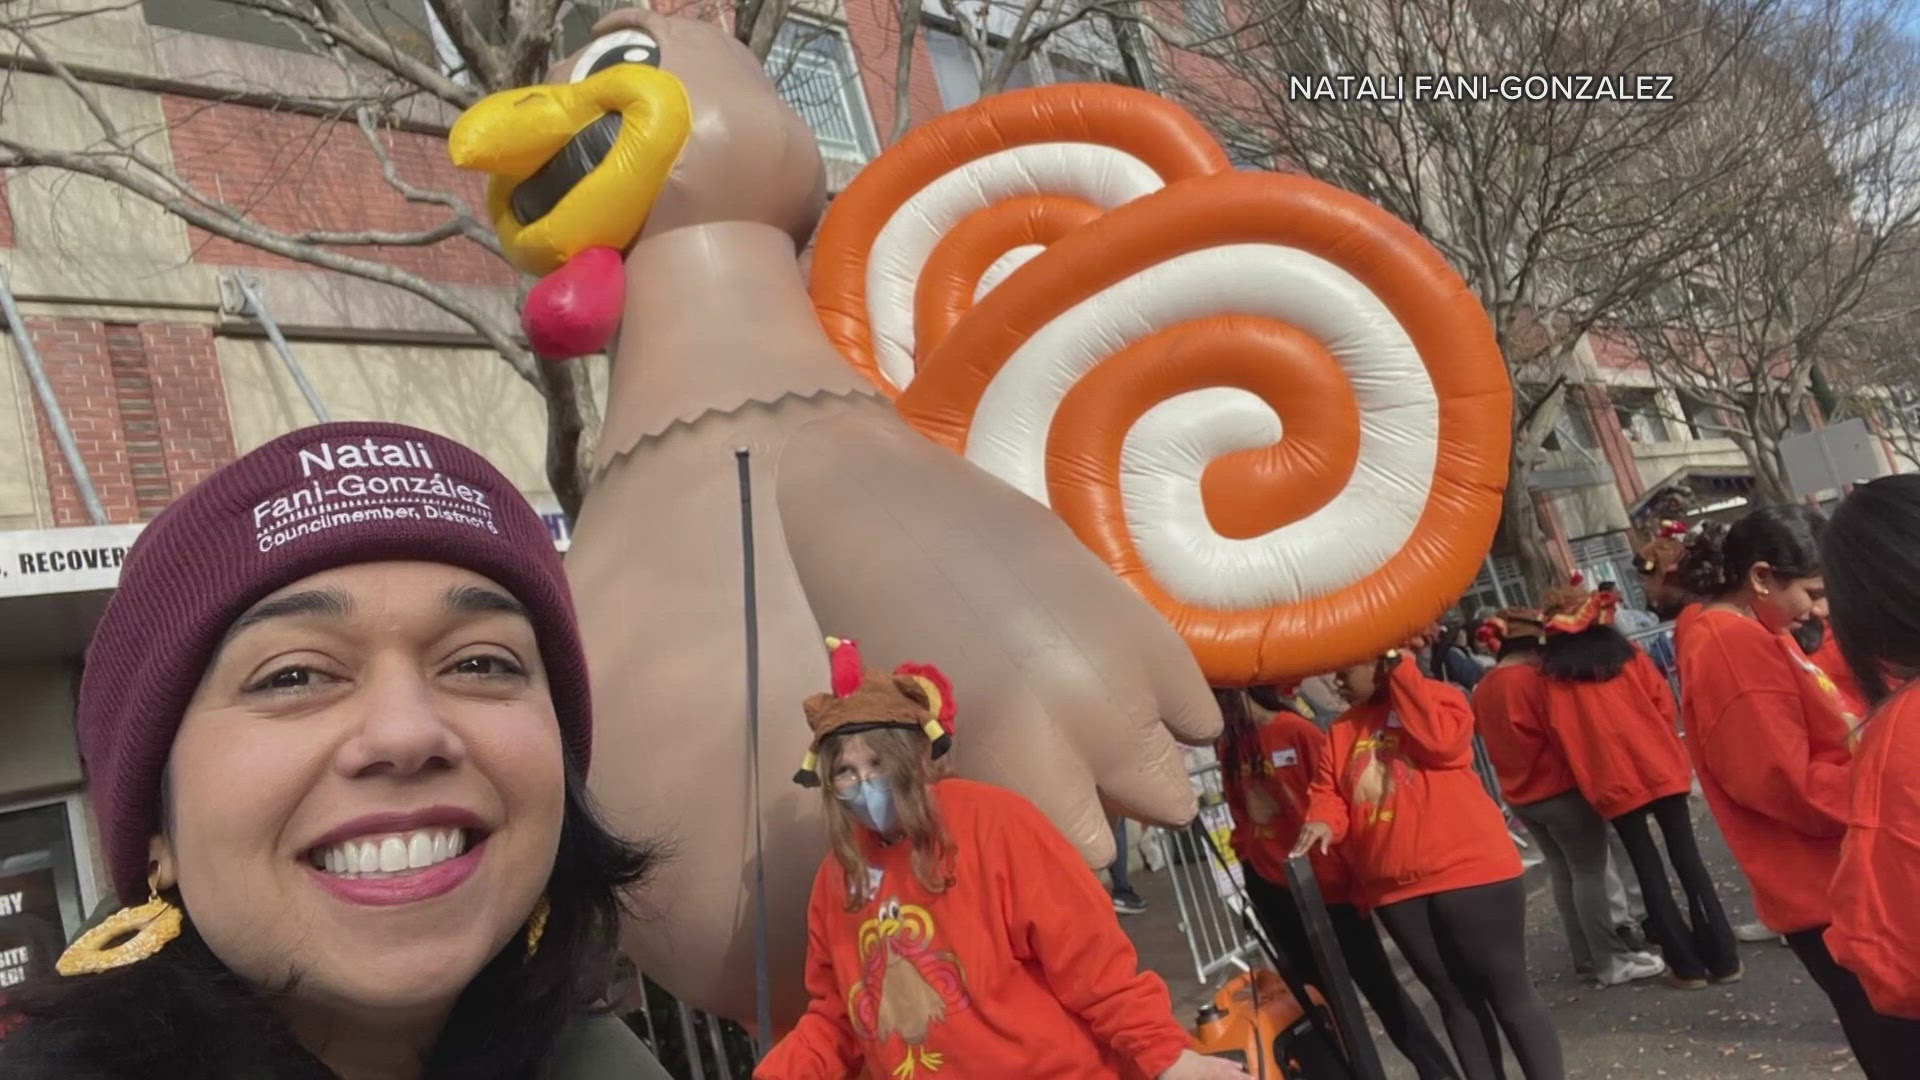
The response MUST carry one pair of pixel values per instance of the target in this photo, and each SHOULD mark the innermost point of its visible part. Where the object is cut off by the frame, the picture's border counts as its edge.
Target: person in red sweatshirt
(1428, 850)
(1872, 555)
(1658, 562)
(1509, 707)
(953, 932)
(1267, 763)
(1766, 729)
(1612, 714)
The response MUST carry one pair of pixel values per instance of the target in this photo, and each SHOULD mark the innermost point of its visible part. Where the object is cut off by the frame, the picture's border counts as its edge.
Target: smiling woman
(345, 775)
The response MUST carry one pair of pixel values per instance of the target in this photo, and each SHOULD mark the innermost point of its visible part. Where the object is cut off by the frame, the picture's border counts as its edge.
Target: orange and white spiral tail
(949, 212)
(1267, 404)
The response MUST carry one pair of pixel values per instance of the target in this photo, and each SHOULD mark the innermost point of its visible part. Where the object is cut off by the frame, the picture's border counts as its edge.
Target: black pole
(763, 989)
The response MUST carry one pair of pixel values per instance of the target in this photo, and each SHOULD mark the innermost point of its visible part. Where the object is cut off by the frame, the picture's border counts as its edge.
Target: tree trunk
(1769, 480)
(1520, 523)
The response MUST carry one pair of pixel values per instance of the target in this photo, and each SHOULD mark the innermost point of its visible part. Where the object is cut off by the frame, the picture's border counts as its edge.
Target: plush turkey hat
(1572, 608)
(914, 697)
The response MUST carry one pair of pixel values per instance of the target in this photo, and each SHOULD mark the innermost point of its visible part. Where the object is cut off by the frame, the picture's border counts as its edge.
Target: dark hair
(1269, 698)
(1786, 538)
(181, 1014)
(1873, 585)
(1525, 645)
(1239, 746)
(1595, 654)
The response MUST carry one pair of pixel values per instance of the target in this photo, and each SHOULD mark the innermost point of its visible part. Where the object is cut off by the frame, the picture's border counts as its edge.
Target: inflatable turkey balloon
(1080, 413)
(1071, 688)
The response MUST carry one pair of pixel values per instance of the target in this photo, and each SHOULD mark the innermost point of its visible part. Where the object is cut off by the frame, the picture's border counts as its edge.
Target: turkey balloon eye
(612, 50)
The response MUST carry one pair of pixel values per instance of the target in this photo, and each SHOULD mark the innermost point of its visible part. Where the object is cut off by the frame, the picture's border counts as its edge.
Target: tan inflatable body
(1070, 687)
(1041, 325)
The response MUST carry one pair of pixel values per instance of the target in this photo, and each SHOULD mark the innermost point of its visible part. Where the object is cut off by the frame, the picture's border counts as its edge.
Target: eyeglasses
(850, 779)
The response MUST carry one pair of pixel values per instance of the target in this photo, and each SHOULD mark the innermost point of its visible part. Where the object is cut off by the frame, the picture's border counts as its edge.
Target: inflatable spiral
(1267, 404)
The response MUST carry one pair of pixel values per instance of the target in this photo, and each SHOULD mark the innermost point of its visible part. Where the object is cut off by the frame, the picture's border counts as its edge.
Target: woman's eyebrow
(330, 602)
(476, 599)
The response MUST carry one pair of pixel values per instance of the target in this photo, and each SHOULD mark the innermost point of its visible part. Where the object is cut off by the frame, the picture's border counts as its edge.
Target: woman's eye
(487, 665)
(285, 679)
(612, 50)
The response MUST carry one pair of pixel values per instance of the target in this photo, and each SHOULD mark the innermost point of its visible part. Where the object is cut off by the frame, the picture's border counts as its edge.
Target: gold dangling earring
(537, 926)
(152, 925)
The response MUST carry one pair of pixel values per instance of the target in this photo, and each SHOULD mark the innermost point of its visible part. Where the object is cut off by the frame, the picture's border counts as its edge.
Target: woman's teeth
(391, 854)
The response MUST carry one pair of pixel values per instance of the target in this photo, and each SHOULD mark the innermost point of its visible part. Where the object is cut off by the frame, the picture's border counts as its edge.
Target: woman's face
(1783, 604)
(367, 789)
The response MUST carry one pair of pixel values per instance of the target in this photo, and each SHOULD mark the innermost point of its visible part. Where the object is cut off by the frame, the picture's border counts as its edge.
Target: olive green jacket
(602, 1048)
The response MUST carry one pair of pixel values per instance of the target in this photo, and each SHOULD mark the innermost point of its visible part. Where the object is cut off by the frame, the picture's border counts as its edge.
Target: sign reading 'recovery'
(37, 562)
(355, 481)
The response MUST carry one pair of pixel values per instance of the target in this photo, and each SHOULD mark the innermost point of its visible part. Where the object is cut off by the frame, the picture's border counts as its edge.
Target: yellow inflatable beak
(548, 198)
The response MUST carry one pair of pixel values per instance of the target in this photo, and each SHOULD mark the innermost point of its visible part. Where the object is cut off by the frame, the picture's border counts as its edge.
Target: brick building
(149, 334)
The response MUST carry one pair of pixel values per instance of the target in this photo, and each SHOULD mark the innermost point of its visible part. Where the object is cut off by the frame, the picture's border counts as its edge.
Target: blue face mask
(871, 801)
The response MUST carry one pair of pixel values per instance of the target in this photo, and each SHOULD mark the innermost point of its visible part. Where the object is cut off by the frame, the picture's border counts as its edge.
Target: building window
(812, 65)
(1703, 420)
(1071, 69)
(1574, 431)
(1207, 16)
(957, 74)
(41, 905)
(1485, 597)
(1640, 415)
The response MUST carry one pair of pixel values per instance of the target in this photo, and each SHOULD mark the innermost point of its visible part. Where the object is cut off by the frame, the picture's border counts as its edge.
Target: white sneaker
(1632, 967)
(1754, 931)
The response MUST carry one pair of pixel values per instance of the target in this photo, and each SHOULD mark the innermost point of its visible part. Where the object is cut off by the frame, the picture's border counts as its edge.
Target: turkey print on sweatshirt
(1018, 969)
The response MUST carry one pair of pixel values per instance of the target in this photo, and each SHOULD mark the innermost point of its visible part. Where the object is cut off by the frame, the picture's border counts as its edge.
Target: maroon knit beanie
(322, 497)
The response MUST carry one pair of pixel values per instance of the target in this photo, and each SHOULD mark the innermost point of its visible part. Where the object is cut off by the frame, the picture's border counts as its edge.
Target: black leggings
(1887, 1047)
(1696, 948)
(1366, 961)
(1469, 946)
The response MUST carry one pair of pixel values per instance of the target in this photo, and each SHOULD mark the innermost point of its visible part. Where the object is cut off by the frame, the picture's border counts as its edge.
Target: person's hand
(1193, 1066)
(1313, 832)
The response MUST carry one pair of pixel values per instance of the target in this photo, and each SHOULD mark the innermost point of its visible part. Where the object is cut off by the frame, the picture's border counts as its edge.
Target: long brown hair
(906, 759)
(1239, 745)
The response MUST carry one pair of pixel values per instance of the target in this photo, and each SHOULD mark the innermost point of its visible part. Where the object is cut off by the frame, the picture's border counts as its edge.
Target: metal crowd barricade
(1658, 644)
(1208, 885)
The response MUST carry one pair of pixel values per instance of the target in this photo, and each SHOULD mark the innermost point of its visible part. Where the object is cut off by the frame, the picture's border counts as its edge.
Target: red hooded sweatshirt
(1510, 709)
(1619, 737)
(1019, 968)
(1401, 795)
(1770, 747)
(1876, 918)
(1269, 807)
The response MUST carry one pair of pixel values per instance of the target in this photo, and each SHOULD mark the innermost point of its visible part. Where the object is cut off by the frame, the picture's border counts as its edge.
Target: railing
(1658, 643)
(1208, 883)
